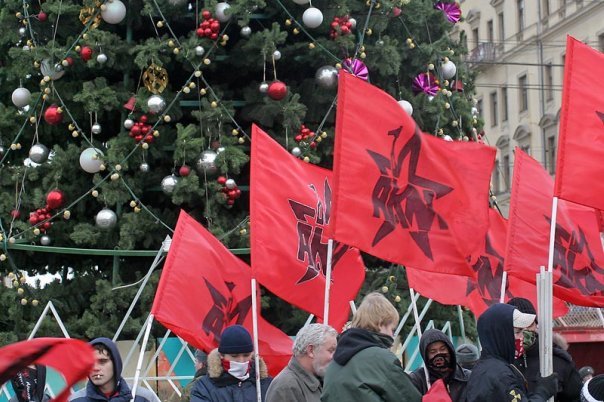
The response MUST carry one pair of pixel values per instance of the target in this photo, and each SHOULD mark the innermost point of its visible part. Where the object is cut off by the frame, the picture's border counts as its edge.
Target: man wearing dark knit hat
(231, 371)
(593, 390)
(569, 381)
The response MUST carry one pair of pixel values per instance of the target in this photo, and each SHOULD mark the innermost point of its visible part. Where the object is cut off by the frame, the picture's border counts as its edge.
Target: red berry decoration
(184, 171)
(15, 214)
(221, 180)
(55, 199)
(277, 90)
(42, 16)
(53, 115)
(209, 27)
(340, 26)
(229, 189)
(86, 53)
(141, 131)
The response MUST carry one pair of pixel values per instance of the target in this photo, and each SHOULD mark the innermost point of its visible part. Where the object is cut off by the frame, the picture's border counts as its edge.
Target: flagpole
(327, 281)
(139, 364)
(504, 282)
(462, 326)
(255, 331)
(353, 307)
(419, 330)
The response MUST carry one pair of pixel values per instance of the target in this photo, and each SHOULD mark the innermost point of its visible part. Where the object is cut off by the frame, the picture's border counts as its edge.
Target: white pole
(552, 235)
(327, 281)
(548, 297)
(255, 331)
(139, 364)
(462, 326)
(419, 331)
(309, 320)
(504, 282)
(404, 319)
(353, 307)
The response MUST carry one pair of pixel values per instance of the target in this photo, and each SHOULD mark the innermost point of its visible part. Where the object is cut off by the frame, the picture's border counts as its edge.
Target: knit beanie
(593, 390)
(523, 305)
(235, 339)
(466, 353)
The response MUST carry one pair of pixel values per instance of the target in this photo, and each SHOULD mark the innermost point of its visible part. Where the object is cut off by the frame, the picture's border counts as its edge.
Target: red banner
(579, 168)
(290, 207)
(402, 195)
(484, 288)
(73, 358)
(578, 257)
(204, 288)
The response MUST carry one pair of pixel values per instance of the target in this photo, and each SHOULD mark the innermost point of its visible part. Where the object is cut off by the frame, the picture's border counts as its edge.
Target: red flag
(73, 358)
(204, 288)
(290, 207)
(484, 288)
(437, 393)
(401, 195)
(578, 257)
(579, 169)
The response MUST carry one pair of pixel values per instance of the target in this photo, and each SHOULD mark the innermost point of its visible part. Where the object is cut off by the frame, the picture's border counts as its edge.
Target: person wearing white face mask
(231, 373)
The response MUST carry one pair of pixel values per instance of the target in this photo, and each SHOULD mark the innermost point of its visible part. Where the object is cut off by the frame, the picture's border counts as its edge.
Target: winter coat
(495, 378)
(185, 395)
(123, 393)
(569, 380)
(294, 384)
(456, 382)
(365, 370)
(219, 386)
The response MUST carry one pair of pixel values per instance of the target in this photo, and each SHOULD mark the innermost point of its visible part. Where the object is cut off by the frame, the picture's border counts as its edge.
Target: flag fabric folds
(72, 358)
(290, 209)
(204, 288)
(437, 393)
(578, 271)
(579, 167)
(402, 195)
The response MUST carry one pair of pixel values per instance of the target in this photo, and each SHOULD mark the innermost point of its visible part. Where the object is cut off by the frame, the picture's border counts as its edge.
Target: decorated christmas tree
(116, 114)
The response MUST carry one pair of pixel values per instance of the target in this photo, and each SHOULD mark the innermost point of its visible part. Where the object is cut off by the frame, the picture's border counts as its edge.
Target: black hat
(523, 305)
(593, 390)
(235, 339)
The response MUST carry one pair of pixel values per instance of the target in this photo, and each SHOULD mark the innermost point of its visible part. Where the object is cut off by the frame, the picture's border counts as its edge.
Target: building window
(475, 37)
(520, 8)
(545, 8)
(490, 31)
(479, 107)
(505, 170)
(494, 107)
(504, 104)
(562, 8)
(526, 146)
(500, 22)
(601, 42)
(551, 154)
(549, 82)
(496, 182)
(523, 93)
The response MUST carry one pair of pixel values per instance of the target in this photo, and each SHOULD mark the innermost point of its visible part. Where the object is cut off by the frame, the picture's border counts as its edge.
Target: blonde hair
(374, 312)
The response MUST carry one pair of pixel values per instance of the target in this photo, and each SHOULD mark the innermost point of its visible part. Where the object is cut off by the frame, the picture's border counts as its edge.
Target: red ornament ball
(86, 53)
(53, 115)
(55, 199)
(42, 16)
(277, 90)
(184, 171)
(221, 180)
(15, 213)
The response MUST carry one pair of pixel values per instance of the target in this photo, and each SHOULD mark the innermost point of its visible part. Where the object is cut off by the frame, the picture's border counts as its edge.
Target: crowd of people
(358, 365)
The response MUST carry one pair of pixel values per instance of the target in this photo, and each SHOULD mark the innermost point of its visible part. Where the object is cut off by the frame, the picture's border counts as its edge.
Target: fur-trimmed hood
(215, 369)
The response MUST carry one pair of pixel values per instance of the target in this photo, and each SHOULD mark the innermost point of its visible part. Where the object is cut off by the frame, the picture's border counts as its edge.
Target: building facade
(517, 48)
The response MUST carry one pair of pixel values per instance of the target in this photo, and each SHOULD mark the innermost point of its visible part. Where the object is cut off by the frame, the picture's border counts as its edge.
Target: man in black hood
(29, 385)
(495, 378)
(439, 357)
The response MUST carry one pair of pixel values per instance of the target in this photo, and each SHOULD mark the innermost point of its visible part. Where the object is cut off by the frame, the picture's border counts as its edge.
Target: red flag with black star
(402, 195)
(204, 288)
(579, 168)
(578, 269)
(290, 209)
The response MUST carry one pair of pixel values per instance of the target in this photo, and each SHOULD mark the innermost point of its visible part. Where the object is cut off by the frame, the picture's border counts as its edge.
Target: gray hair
(313, 334)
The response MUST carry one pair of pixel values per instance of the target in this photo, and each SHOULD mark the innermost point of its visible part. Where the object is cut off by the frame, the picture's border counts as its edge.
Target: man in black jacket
(569, 380)
(495, 378)
(439, 357)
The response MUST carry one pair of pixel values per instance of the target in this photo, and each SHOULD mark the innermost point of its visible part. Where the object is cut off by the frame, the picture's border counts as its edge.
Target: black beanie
(593, 390)
(523, 305)
(234, 340)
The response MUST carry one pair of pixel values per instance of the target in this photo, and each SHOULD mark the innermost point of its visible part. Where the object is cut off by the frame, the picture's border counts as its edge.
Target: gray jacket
(294, 384)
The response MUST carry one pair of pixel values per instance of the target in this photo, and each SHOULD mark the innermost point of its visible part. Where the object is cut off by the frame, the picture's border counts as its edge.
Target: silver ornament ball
(105, 219)
(91, 160)
(407, 106)
(22, 31)
(230, 184)
(156, 104)
(448, 69)
(21, 97)
(263, 88)
(312, 17)
(114, 12)
(144, 167)
(38, 153)
(199, 50)
(96, 128)
(168, 184)
(296, 152)
(221, 12)
(246, 31)
(277, 55)
(53, 71)
(327, 77)
(206, 163)
(128, 124)
(101, 58)
(45, 240)
(2, 151)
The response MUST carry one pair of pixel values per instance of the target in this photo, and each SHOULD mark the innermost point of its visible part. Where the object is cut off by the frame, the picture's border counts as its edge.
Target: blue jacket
(123, 393)
(220, 386)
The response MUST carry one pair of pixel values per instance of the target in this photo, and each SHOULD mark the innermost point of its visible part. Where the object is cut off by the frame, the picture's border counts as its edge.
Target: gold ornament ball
(319, 139)
(115, 176)
(15, 283)
(118, 167)
(171, 43)
(66, 214)
(65, 63)
(207, 61)
(197, 73)
(78, 48)
(412, 46)
(324, 134)
(192, 85)
(2, 257)
(23, 302)
(13, 147)
(160, 24)
(384, 289)
(132, 204)
(11, 276)
(34, 302)
(202, 91)
(454, 123)
(311, 45)
(288, 22)
(137, 210)
(186, 90)
(36, 231)
(296, 31)
(369, 32)
(306, 159)
(36, 64)
(241, 140)
(363, 55)
(392, 278)
(243, 231)
(102, 167)
(12, 240)
(156, 133)
(214, 104)
(71, 126)
(20, 291)
(75, 134)
(397, 299)
(447, 105)
(430, 66)
(95, 193)
(23, 279)
(32, 119)
(45, 97)
(176, 50)
(145, 145)
(235, 131)
(167, 119)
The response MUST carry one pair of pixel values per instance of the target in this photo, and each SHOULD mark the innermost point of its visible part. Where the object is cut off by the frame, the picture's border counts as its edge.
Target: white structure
(517, 47)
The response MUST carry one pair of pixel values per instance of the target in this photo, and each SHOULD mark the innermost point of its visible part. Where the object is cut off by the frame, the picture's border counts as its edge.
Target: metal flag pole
(255, 331)
(327, 281)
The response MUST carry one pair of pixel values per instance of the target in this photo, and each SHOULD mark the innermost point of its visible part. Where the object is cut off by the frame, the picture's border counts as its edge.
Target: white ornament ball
(230, 184)
(156, 104)
(91, 160)
(474, 110)
(105, 219)
(447, 137)
(101, 58)
(246, 31)
(55, 71)
(96, 128)
(21, 97)
(263, 88)
(327, 77)
(353, 23)
(45, 240)
(301, 1)
(296, 152)
(199, 50)
(407, 106)
(277, 55)
(312, 17)
(168, 184)
(221, 12)
(22, 31)
(128, 124)
(38, 153)
(114, 12)
(144, 167)
(448, 70)
(206, 163)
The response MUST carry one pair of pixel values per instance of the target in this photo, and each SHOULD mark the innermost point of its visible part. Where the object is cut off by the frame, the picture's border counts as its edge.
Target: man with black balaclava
(439, 357)
(29, 385)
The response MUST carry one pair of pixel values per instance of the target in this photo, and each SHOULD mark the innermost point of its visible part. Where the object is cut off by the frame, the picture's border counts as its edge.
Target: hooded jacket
(365, 370)
(219, 386)
(457, 380)
(122, 393)
(495, 378)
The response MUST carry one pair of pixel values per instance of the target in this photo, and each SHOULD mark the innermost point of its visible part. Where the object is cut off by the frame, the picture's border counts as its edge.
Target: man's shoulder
(78, 395)
(145, 395)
